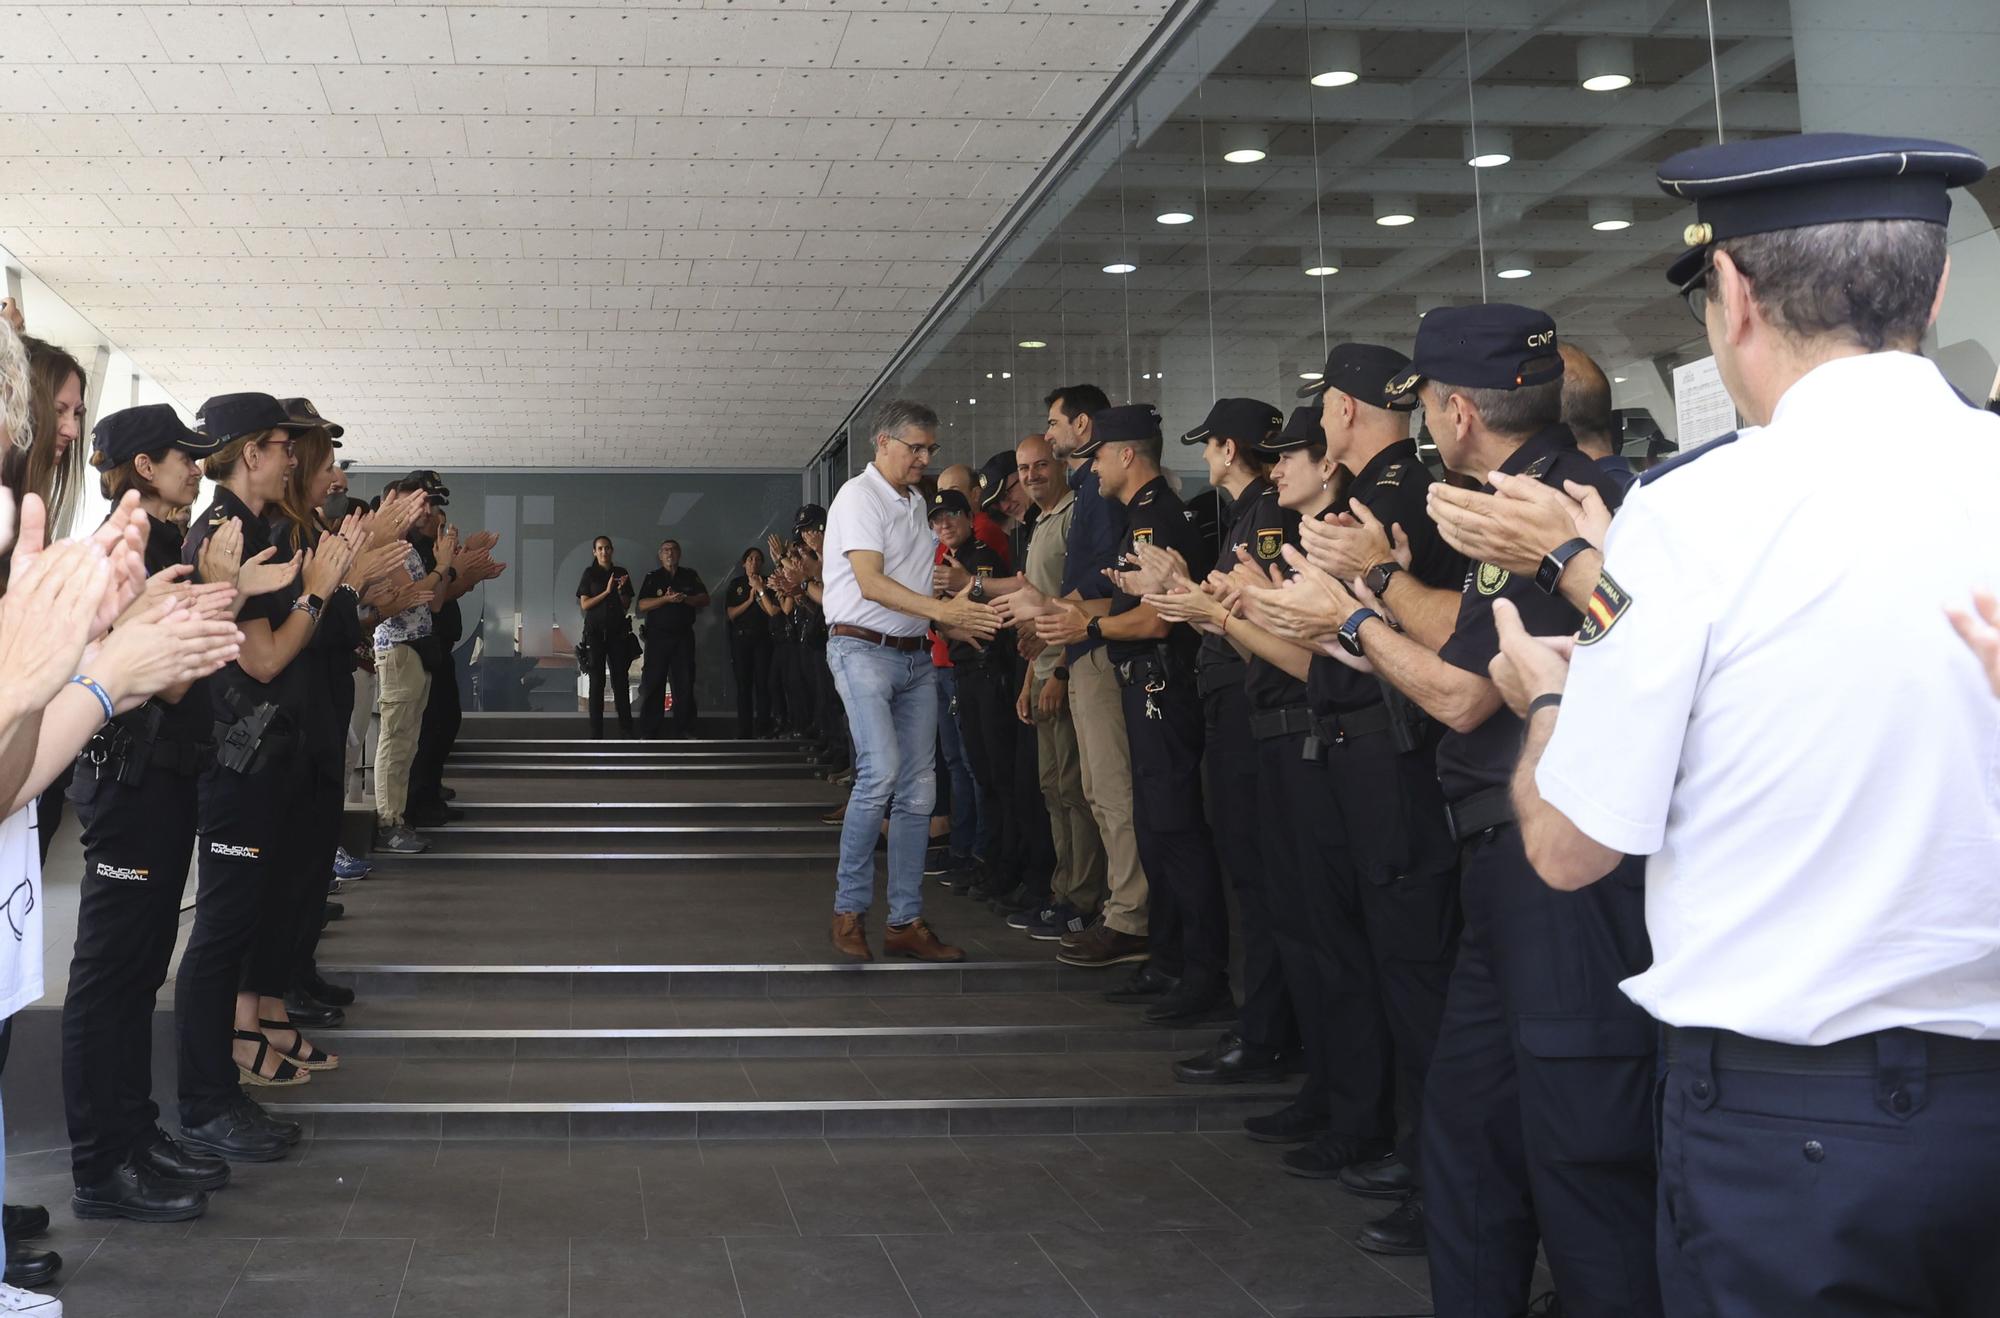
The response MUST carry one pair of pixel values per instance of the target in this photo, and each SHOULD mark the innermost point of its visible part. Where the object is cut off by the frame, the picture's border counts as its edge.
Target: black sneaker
(1401, 1232)
(1022, 899)
(1326, 1157)
(1052, 923)
(1385, 1178)
(291, 1132)
(1290, 1124)
(939, 860)
(165, 1160)
(235, 1135)
(1145, 985)
(135, 1194)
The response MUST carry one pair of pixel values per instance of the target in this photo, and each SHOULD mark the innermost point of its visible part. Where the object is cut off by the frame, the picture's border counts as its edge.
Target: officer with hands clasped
(669, 598)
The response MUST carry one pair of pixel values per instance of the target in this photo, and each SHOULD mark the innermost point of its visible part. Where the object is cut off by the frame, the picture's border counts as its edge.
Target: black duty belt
(1346, 725)
(1268, 724)
(1147, 669)
(1944, 1054)
(1479, 813)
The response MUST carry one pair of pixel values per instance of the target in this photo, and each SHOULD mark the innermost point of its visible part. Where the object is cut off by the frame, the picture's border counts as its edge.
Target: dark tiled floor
(1094, 1227)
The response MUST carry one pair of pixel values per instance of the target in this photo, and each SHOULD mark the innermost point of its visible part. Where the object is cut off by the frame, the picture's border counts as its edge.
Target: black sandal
(287, 1074)
(304, 1054)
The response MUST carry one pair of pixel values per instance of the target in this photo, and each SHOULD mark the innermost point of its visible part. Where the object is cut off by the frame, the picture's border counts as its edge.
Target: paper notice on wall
(1702, 410)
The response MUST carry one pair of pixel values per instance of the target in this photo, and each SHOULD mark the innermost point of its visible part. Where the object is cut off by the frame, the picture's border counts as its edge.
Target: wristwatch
(1092, 629)
(1553, 563)
(1059, 673)
(1349, 634)
(978, 591)
(1377, 578)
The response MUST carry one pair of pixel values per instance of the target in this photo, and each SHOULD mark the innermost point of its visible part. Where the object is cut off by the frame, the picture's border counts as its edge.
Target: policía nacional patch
(1268, 543)
(1607, 604)
(1491, 579)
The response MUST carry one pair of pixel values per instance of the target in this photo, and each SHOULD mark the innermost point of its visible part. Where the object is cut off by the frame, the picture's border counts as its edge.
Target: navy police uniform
(669, 636)
(605, 630)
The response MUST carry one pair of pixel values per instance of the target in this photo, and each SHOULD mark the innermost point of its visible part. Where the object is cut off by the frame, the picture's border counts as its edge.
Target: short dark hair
(1586, 398)
(1520, 411)
(893, 416)
(670, 541)
(1871, 282)
(1152, 450)
(1078, 400)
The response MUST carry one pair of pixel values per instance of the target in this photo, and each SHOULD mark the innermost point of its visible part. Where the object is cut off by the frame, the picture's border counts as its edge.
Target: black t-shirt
(1394, 486)
(602, 619)
(326, 668)
(447, 623)
(1484, 757)
(752, 625)
(233, 693)
(670, 619)
(1155, 515)
(981, 560)
(189, 719)
(1257, 523)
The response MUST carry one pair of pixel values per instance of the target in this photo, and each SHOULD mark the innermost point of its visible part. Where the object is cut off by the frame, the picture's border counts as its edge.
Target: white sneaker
(15, 1300)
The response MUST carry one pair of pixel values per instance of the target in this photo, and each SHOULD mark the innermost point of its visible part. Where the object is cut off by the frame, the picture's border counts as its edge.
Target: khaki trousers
(405, 687)
(1107, 784)
(1079, 874)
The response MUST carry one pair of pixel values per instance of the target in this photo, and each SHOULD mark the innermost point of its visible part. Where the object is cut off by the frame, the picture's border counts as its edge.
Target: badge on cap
(1698, 235)
(1402, 386)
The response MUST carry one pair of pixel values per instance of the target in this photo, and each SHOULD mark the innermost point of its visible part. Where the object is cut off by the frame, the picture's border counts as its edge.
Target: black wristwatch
(1377, 578)
(1059, 673)
(1349, 634)
(978, 591)
(1553, 563)
(1092, 629)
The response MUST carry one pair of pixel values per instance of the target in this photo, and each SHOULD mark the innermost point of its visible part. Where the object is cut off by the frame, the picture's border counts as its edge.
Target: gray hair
(1871, 282)
(1520, 411)
(899, 414)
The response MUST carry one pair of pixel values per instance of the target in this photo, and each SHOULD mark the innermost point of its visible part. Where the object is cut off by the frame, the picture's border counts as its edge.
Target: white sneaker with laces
(15, 1300)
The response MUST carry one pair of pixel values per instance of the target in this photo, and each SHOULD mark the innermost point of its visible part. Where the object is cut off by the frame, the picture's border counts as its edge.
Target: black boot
(165, 1160)
(25, 1221)
(131, 1192)
(333, 995)
(291, 1132)
(1232, 1062)
(235, 1135)
(1401, 1232)
(28, 1267)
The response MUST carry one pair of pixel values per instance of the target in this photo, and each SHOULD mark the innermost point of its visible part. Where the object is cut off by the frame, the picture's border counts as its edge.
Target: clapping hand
(1348, 544)
(1153, 572)
(47, 616)
(163, 646)
(1980, 626)
(1517, 526)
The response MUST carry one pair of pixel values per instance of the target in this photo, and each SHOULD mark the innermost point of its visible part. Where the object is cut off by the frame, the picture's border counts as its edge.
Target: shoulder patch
(1606, 606)
(1539, 465)
(983, 570)
(1150, 496)
(1681, 460)
(1391, 475)
(1269, 542)
(1492, 580)
(1142, 535)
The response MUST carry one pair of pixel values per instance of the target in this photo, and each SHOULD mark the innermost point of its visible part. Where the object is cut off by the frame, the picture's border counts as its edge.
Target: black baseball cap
(1491, 345)
(1301, 428)
(809, 517)
(122, 436)
(950, 501)
(1248, 421)
(431, 484)
(229, 417)
(304, 413)
(993, 477)
(1364, 371)
(1121, 425)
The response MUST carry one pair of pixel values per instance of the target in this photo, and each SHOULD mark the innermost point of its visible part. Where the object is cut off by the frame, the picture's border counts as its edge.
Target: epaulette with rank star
(1391, 475)
(1539, 465)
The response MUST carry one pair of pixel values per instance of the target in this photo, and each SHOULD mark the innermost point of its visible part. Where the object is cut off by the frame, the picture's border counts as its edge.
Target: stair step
(637, 752)
(527, 766)
(617, 746)
(714, 979)
(655, 788)
(683, 843)
(614, 814)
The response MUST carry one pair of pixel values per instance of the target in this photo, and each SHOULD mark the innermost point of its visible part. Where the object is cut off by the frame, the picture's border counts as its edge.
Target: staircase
(628, 940)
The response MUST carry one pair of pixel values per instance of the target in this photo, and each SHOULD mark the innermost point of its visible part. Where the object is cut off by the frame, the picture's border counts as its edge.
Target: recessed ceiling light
(1618, 379)
(1322, 271)
(1338, 57)
(1392, 212)
(1145, 375)
(972, 402)
(1031, 343)
(1609, 215)
(1311, 375)
(1513, 265)
(989, 375)
(1604, 64)
(1006, 375)
(1174, 217)
(1244, 146)
(1120, 268)
(1489, 149)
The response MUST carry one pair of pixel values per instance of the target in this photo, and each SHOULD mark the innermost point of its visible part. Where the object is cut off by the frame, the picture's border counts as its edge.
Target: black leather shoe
(291, 1132)
(25, 1221)
(131, 1193)
(1385, 1178)
(1401, 1232)
(1143, 986)
(1232, 1062)
(1290, 1124)
(234, 1135)
(166, 1161)
(333, 911)
(304, 1009)
(333, 995)
(28, 1267)
(1323, 1159)
(1191, 1004)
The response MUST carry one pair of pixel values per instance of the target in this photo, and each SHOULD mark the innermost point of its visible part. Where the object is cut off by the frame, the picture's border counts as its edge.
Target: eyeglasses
(925, 451)
(1695, 291)
(285, 443)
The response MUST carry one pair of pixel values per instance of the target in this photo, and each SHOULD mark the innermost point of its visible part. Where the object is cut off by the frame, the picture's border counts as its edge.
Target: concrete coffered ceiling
(648, 235)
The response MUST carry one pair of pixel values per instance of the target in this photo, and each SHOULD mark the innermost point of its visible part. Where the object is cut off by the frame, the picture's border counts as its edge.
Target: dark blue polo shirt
(1096, 534)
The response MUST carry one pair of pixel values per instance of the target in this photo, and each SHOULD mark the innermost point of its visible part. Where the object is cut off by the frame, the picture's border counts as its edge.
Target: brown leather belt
(877, 638)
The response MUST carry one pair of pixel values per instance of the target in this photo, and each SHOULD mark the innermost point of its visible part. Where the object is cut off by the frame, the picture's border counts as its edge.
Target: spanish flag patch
(1606, 606)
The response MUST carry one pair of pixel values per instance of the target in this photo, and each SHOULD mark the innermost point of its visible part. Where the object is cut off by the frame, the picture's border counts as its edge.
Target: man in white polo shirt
(878, 560)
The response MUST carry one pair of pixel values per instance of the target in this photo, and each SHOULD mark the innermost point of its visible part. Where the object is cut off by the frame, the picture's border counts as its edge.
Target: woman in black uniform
(750, 645)
(135, 796)
(604, 593)
(250, 850)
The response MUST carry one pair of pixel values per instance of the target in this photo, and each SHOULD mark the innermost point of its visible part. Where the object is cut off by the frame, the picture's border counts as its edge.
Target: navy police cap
(1363, 371)
(233, 416)
(993, 477)
(950, 501)
(809, 517)
(304, 413)
(1123, 424)
(1491, 345)
(153, 428)
(1773, 183)
(1248, 421)
(1301, 428)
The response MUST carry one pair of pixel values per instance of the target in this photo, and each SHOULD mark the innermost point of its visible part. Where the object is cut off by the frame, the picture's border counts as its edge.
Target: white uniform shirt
(21, 937)
(1783, 720)
(868, 514)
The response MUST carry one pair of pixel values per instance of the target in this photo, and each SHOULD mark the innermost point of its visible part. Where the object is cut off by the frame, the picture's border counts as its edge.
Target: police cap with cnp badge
(431, 484)
(304, 413)
(1493, 345)
(993, 477)
(1246, 420)
(946, 502)
(1773, 183)
(1364, 371)
(154, 428)
(809, 517)
(1301, 428)
(1125, 424)
(228, 417)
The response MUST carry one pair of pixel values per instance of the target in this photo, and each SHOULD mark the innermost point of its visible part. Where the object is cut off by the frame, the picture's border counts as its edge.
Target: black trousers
(1229, 781)
(319, 834)
(138, 842)
(826, 700)
(1038, 841)
(1538, 1112)
(49, 810)
(669, 660)
(621, 689)
(1175, 846)
(244, 849)
(750, 666)
(1857, 1194)
(436, 736)
(986, 724)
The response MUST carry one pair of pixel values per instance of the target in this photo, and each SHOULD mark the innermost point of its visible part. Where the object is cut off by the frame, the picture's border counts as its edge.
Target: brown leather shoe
(1101, 945)
(850, 937)
(915, 939)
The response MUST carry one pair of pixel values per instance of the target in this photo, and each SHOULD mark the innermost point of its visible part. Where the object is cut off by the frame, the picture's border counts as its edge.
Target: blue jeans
(966, 816)
(892, 715)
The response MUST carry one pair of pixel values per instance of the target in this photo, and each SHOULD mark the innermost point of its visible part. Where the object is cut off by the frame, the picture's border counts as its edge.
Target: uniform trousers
(318, 819)
(292, 884)
(1038, 845)
(1106, 758)
(669, 661)
(785, 713)
(1174, 842)
(138, 841)
(826, 700)
(750, 666)
(986, 722)
(1538, 1114)
(245, 821)
(1849, 1181)
(1078, 879)
(1229, 781)
(604, 666)
(436, 735)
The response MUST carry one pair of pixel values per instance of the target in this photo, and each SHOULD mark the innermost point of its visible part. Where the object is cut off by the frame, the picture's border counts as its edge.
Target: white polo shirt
(1785, 723)
(867, 513)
